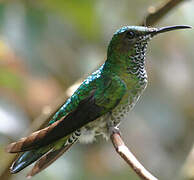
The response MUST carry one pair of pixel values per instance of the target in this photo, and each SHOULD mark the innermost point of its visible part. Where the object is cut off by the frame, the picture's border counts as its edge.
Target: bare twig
(157, 13)
(129, 158)
(188, 167)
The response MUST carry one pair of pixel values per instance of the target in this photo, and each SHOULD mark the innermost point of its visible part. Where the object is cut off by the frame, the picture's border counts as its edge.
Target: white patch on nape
(87, 136)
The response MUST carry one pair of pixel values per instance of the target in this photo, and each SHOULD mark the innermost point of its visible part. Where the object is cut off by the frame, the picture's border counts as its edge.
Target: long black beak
(169, 28)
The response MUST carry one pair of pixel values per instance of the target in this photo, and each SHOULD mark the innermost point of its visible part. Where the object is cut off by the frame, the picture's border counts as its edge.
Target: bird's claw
(114, 130)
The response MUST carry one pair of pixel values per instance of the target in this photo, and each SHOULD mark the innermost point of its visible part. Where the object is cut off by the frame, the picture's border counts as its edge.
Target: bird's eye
(130, 34)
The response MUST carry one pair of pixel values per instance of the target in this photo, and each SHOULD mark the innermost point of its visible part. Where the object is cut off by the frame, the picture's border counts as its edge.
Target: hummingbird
(101, 102)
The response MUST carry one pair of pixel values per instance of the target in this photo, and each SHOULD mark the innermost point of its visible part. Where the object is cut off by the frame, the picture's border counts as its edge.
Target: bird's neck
(129, 64)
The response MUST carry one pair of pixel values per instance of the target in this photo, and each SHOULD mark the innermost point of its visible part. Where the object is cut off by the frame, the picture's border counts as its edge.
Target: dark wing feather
(86, 111)
(98, 102)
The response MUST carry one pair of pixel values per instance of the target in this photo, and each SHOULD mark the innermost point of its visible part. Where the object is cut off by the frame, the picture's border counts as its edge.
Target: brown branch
(157, 13)
(129, 158)
(187, 172)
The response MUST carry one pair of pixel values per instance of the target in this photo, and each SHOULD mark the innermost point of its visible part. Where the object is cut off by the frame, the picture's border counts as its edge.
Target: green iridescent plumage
(101, 101)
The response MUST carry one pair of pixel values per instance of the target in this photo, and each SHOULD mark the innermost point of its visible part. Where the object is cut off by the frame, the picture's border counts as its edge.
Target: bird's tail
(47, 159)
(27, 158)
(46, 155)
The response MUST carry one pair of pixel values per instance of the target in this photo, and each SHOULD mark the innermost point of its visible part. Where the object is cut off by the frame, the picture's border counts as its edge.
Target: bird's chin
(145, 38)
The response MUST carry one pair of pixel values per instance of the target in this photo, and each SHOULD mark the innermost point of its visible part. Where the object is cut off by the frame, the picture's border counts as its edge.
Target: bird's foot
(113, 130)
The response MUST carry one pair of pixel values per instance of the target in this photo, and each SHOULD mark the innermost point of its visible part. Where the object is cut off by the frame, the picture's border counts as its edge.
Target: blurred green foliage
(80, 13)
(10, 80)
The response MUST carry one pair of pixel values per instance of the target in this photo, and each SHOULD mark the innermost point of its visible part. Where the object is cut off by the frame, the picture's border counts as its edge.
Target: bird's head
(132, 40)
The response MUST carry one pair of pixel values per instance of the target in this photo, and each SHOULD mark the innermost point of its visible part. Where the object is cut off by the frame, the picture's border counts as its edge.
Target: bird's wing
(102, 98)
